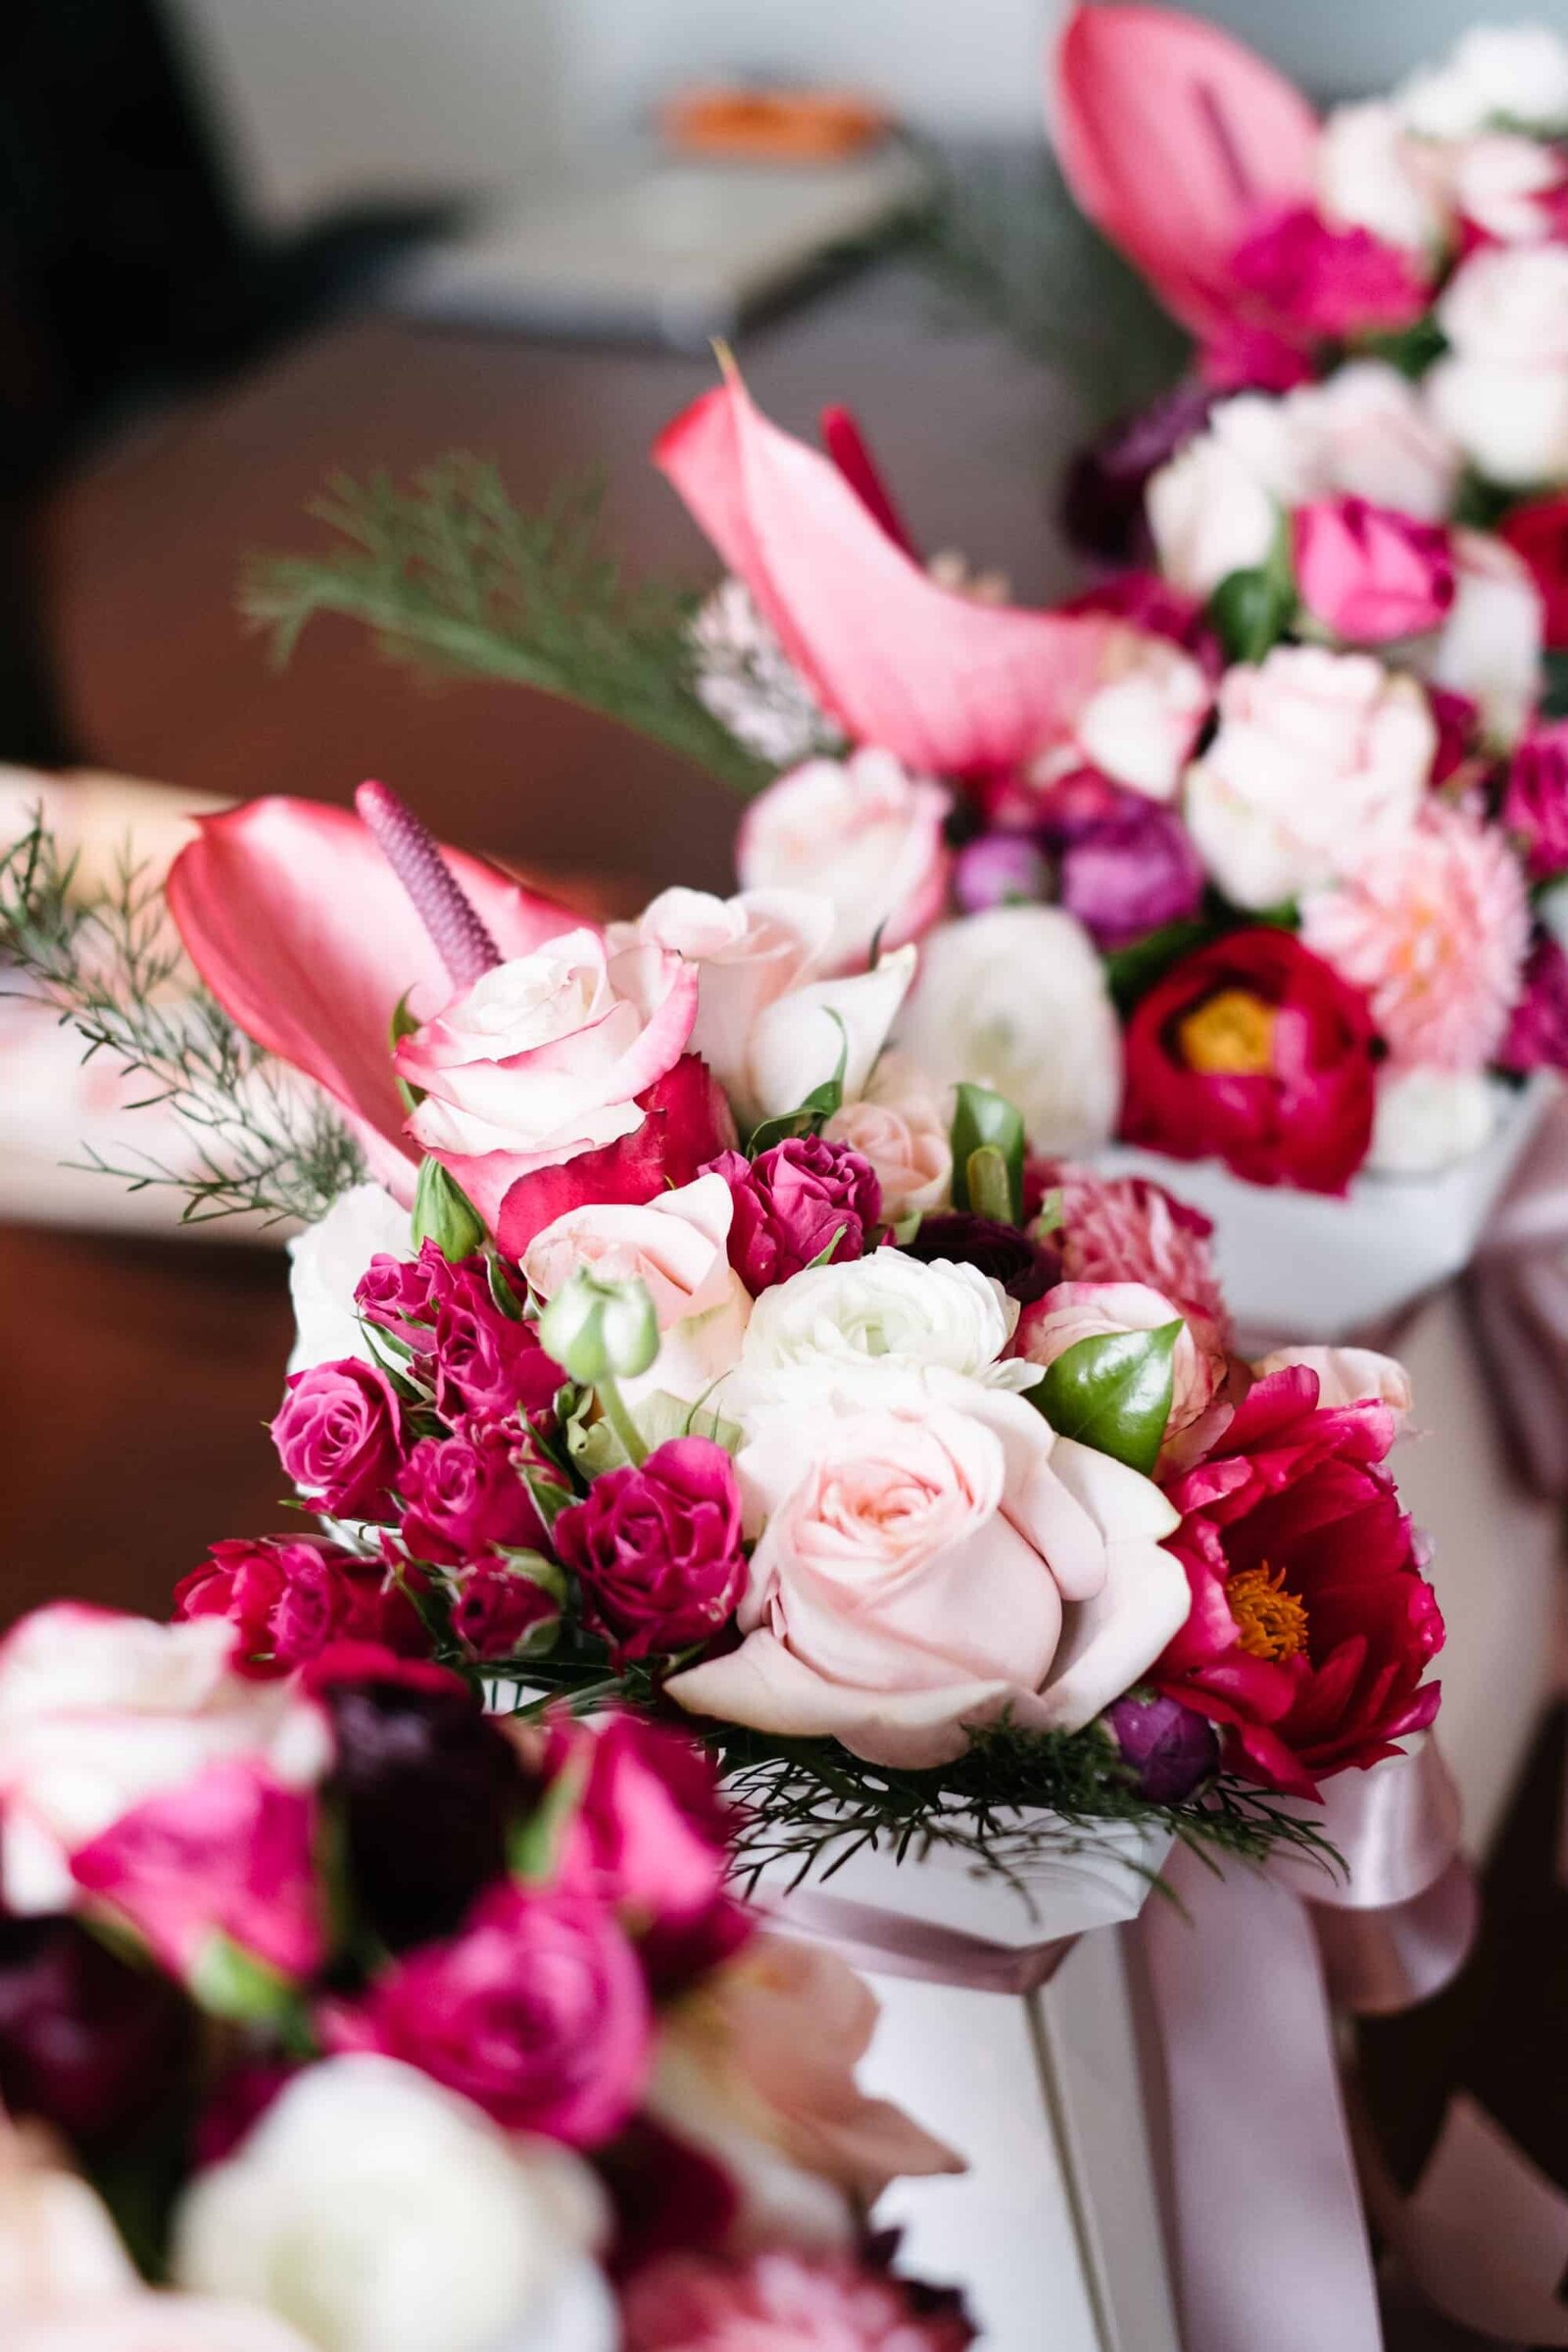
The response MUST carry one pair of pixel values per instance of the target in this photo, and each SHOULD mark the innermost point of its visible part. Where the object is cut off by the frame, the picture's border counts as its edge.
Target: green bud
(444, 1214)
(597, 1330)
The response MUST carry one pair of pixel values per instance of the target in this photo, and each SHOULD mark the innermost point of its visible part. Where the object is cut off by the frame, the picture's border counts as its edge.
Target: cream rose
(1490, 647)
(327, 1263)
(1140, 726)
(544, 1058)
(757, 2068)
(881, 1315)
(901, 1126)
(1505, 184)
(100, 1711)
(1502, 391)
(1015, 999)
(1496, 73)
(1216, 507)
(1428, 1120)
(932, 1562)
(677, 1243)
(1372, 174)
(1089, 1310)
(1317, 755)
(1366, 434)
(861, 833)
(379, 2213)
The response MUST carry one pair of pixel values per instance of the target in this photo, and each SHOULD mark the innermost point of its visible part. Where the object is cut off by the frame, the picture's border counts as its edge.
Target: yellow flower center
(1232, 1036)
(1270, 1623)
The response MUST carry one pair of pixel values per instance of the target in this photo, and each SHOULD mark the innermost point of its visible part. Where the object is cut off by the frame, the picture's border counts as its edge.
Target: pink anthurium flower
(1178, 142)
(948, 685)
(303, 931)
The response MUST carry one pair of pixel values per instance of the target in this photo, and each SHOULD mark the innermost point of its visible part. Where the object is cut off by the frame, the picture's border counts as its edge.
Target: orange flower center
(1232, 1036)
(1270, 1623)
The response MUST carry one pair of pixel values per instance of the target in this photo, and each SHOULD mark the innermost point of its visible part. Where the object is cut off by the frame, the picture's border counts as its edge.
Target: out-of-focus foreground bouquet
(335, 2013)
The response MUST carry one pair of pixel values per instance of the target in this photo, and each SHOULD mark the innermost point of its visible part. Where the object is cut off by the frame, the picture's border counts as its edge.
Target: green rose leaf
(988, 1148)
(1249, 609)
(1113, 1392)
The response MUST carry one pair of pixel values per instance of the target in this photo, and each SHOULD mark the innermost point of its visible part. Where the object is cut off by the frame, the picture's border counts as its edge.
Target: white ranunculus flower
(1139, 726)
(1317, 755)
(1216, 508)
(1429, 1119)
(1490, 645)
(860, 832)
(870, 1317)
(1372, 174)
(1509, 74)
(325, 1264)
(1366, 434)
(1502, 391)
(379, 2212)
(1503, 183)
(1015, 999)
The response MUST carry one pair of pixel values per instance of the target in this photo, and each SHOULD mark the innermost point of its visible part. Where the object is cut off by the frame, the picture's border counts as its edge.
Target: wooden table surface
(138, 1376)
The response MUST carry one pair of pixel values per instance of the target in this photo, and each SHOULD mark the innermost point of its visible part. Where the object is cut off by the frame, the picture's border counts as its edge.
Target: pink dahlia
(1125, 1228)
(781, 2301)
(1433, 930)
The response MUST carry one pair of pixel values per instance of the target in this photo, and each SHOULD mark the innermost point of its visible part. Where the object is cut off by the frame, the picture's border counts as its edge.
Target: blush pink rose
(1370, 574)
(555, 1078)
(781, 2300)
(101, 1712)
(678, 1246)
(536, 2010)
(1086, 1311)
(899, 1127)
(339, 1438)
(930, 1563)
(861, 833)
(230, 1855)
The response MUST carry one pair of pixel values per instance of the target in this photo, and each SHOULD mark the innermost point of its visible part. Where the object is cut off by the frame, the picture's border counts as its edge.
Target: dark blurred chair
(127, 269)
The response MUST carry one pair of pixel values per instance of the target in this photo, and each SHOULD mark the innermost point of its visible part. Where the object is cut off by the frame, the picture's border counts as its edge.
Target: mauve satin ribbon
(1518, 1289)
(888, 1944)
(1268, 2236)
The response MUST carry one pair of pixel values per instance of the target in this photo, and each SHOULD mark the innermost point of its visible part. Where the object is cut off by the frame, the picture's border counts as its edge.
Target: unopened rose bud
(597, 1330)
(1000, 870)
(444, 1214)
(1172, 1749)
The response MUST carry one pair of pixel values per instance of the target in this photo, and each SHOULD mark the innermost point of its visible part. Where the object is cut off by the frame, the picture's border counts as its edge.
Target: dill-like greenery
(263, 1143)
(454, 579)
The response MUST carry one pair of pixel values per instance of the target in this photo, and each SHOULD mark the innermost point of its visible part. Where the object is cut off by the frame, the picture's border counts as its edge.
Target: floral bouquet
(336, 2014)
(733, 1368)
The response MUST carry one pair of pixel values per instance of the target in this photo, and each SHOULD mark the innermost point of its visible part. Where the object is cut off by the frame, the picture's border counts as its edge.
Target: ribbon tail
(1269, 2239)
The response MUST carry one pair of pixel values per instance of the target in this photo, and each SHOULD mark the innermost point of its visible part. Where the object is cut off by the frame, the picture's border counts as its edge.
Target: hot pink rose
(794, 1201)
(931, 1562)
(231, 1854)
(1537, 1027)
(465, 1495)
(101, 1712)
(1370, 574)
(783, 2301)
(288, 1596)
(1087, 1310)
(339, 1438)
(1126, 1229)
(656, 1548)
(649, 1838)
(1311, 1624)
(861, 833)
(1318, 280)
(536, 2010)
(1535, 804)
(554, 1079)
(486, 1362)
(497, 1611)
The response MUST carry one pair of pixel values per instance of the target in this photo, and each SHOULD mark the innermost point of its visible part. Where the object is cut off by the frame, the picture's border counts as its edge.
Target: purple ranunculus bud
(1130, 870)
(1025, 1268)
(1172, 1749)
(1000, 870)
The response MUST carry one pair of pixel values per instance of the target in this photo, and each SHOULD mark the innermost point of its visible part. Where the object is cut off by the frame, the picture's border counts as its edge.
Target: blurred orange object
(772, 125)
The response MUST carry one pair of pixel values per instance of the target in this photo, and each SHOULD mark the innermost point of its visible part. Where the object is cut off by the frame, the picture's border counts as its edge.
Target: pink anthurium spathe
(1177, 142)
(948, 685)
(299, 925)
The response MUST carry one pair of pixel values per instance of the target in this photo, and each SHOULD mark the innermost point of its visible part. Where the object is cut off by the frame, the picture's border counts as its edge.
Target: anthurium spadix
(949, 685)
(1176, 142)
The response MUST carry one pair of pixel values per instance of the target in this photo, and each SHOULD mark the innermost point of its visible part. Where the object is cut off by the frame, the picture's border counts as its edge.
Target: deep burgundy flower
(1535, 801)
(656, 1548)
(1254, 1051)
(466, 1494)
(1538, 1031)
(1127, 863)
(426, 1785)
(1024, 1267)
(536, 2010)
(289, 1596)
(338, 1437)
(795, 1201)
(1458, 720)
(1537, 530)
(87, 2043)
(1172, 1749)
(1102, 498)
(1311, 1624)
